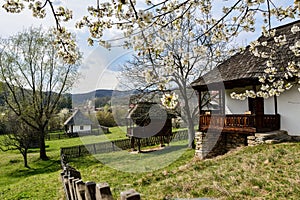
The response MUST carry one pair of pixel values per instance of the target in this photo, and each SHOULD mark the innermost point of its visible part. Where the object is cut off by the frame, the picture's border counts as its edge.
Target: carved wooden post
(71, 189)
(64, 179)
(90, 190)
(74, 188)
(66, 186)
(103, 192)
(80, 189)
(130, 195)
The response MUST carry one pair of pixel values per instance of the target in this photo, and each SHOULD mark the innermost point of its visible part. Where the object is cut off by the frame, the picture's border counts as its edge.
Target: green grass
(261, 172)
(41, 181)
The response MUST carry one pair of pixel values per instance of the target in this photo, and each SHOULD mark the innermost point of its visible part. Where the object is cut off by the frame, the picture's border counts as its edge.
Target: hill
(100, 97)
(82, 99)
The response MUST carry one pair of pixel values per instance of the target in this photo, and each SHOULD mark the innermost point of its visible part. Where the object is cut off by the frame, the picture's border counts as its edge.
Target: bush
(105, 118)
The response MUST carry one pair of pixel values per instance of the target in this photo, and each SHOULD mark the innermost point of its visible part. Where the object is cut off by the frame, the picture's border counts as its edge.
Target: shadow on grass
(142, 162)
(37, 167)
(35, 149)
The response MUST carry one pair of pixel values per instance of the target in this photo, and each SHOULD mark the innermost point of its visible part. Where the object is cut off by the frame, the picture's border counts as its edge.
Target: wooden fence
(76, 189)
(57, 136)
(117, 145)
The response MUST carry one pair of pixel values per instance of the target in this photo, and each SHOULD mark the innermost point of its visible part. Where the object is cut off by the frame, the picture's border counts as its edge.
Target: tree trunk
(191, 133)
(43, 155)
(25, 158)
(189, 120)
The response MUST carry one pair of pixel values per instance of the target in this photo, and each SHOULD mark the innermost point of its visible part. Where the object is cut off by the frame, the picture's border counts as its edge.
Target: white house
(78, 124)
(239, 73)
(226, 123)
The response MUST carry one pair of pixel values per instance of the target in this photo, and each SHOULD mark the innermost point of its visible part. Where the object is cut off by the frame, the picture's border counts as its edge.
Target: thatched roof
(244, 69)
(78, 118)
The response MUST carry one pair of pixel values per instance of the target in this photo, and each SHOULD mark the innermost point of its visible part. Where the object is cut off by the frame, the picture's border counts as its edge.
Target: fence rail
(117, 145)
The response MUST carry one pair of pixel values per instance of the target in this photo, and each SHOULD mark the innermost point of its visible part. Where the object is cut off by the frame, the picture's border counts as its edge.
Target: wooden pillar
(275, 105)
(200, 109)
(222, 101)
(199, 98)
(259, 113)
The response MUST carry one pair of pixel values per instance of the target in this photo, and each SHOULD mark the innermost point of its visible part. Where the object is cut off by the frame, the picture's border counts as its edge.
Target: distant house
(78, 124)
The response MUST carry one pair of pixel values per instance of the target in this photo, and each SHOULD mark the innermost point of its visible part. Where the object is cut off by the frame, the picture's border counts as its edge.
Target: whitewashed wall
(289, 110)
(234, 106)
(85, 128)
(288, 107)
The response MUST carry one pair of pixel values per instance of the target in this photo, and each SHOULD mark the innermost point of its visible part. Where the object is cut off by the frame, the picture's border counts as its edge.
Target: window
(81, 127)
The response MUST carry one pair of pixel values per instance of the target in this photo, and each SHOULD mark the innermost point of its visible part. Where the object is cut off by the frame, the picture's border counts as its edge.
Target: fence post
(113, 146)
(74, 188)
(94, 145)
(90, 190)
(103, 192)
(71, 189)
(130, 195)
(66, 186)
(80, 189)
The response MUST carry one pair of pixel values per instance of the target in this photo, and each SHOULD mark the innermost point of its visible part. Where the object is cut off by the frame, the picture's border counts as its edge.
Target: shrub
(105, 118)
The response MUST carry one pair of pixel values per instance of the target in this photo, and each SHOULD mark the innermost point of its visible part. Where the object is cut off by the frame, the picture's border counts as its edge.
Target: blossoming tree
(281, 56)
(170, 59)
(135, 19)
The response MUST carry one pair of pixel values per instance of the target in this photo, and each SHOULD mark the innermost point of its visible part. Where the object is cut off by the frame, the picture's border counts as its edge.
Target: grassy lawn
(261, 172)
(42, 180)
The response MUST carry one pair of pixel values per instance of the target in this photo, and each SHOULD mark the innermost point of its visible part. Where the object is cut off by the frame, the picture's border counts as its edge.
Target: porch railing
(271, 122)
(240, 122)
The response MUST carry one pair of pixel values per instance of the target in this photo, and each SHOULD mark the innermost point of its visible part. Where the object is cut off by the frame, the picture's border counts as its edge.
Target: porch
(239, 123)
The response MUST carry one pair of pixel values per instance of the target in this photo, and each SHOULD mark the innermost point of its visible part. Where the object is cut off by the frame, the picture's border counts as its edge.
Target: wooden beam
(223, 100)
(275, 105)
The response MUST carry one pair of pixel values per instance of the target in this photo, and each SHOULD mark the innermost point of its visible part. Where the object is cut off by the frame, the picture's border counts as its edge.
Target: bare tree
(34, 79)
(19, 136)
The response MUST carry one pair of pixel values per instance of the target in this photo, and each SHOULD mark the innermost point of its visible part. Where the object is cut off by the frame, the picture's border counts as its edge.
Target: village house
(78, 124)
(227, 123)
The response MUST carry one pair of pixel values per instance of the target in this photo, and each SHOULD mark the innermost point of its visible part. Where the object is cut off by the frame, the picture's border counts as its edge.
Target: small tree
(34, 78)
(19, 137)
(105, 117)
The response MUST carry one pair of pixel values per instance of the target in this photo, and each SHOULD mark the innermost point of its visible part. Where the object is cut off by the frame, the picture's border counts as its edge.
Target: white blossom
(170, 101)
(295, 29)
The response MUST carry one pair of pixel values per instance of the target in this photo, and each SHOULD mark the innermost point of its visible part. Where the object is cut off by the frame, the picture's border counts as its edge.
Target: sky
(99, 65)
(98, 69)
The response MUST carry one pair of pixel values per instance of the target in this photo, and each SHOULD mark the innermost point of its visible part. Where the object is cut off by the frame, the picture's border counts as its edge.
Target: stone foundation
(212, 144)
(273, 137)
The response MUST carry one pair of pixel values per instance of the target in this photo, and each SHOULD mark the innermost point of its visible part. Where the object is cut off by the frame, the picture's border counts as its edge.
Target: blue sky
(99, 65)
